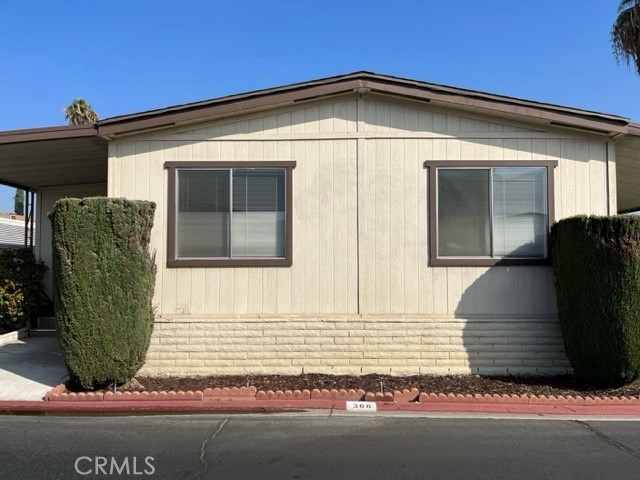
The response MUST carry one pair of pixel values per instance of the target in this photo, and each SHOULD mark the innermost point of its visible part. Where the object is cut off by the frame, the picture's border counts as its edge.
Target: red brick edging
(249, 394)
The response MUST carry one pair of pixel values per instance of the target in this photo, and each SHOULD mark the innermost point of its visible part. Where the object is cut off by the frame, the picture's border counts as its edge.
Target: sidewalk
(29, 368)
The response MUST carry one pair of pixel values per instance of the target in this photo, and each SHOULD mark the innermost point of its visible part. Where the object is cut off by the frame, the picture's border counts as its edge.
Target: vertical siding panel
(425, 121)
(439, 292)
(298, 124)
(283, 275)
(340, 117)
(568, 169)
(397, 241)
(425, 272)
(439, 149)
(367, 179)
(312, 212)
(583, 182)
(611, 168)
(524, 149)
(439, 123)
(551, 292)
(212, 290)
(510, 292)
(453, 149)
(168, 304)
(468, 150)
(326, 280)
(352, 225)
(311, 116)
(483, 291)
(240, 290)
(469, 292)
(540, 294)
(453, 124)
(340, 228)
(510, 149)
(538, 149)
(382, 217)
(128, 181)
(284, 122)
(553, 148)
(481, 149)
(157, 193)
(454, 289)
(496, 149)
(414, 174)
(396, 117)
(298, 269)
(498, 281)
(325, 118)
(383, 116)
(597, 178)
(268, 151)
(525, 290)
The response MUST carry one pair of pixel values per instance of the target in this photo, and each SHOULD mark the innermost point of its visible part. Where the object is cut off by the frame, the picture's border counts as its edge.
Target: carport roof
(41, 157)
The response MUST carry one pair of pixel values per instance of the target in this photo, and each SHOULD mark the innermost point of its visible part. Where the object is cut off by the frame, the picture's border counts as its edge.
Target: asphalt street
(316, 446)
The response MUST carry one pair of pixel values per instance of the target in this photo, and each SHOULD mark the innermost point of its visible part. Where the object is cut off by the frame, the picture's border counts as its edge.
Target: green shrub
(596, 263)
(104, 276)
(21, 291)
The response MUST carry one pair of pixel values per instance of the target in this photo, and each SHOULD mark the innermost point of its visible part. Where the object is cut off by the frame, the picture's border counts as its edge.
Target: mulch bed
(456, 384)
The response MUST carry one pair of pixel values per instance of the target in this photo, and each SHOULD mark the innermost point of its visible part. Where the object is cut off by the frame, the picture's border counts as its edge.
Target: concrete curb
(248, 400)
(250, 394)
(149, 407)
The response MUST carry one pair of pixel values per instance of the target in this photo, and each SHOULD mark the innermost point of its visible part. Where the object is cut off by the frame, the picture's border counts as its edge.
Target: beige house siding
(360, 295)
(46, 199)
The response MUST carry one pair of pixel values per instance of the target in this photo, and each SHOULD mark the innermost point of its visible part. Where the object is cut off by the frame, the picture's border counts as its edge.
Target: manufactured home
(355, 224)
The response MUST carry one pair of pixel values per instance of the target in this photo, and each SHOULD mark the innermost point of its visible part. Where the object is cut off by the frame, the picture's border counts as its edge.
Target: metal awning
(42, 157)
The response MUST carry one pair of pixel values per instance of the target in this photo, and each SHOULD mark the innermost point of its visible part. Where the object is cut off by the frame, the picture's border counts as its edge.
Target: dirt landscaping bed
(456, 384)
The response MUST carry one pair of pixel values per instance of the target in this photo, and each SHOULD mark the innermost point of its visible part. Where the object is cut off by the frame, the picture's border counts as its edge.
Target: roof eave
(544, 114)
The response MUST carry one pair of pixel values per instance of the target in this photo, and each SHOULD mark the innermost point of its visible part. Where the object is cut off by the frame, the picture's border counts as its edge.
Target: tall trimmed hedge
(596, 262)
(104, 277)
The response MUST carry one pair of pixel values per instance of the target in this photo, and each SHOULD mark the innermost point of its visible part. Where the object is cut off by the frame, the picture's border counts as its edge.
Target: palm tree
(79, 112)
(625, 33)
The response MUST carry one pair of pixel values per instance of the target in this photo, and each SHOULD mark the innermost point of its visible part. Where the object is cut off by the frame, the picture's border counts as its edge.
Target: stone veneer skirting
(355, 345)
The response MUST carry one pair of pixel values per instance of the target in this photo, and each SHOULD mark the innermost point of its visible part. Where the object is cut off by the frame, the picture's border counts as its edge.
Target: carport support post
(28, 218)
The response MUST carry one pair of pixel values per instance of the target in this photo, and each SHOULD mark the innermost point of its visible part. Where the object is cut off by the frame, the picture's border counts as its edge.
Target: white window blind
(519, 212)
(230, 213)
(492, 212)
(258, 219)
(202, 214)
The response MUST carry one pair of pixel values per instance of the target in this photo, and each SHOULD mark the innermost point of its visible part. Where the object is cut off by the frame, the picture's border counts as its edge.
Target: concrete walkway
(29, 368)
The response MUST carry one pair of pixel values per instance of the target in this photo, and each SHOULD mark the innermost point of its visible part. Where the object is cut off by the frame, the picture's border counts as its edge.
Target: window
(229, 214)
(484, 213)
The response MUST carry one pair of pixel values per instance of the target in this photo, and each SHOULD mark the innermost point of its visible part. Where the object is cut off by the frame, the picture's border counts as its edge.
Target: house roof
(82, 151)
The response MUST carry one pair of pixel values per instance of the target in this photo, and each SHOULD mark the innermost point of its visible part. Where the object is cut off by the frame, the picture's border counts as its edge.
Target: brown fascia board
(548, 114)
(47, 133)
(634, 129)
(236, 104)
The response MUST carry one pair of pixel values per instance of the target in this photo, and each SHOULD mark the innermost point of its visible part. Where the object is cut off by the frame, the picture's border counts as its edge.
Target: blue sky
(124, 57)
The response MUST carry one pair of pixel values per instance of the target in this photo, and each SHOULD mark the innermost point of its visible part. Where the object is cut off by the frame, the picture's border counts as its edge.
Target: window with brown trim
(490, 213)
(229, 214)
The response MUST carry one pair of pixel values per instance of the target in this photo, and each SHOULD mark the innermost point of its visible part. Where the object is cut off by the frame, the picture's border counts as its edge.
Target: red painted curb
(273, 406)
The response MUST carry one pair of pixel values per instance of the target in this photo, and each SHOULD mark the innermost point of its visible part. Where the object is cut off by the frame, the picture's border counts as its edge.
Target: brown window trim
(434, 261)
(173, 262)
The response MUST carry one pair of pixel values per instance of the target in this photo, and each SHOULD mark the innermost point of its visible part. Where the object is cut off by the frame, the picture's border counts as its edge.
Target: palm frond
(625, 34)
